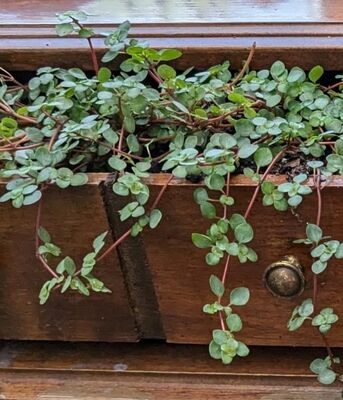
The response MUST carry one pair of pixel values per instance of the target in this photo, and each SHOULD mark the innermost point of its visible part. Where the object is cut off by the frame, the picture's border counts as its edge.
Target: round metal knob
(285, 278)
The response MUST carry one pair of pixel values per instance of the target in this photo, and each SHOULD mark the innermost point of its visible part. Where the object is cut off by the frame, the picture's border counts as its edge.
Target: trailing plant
(197, 125)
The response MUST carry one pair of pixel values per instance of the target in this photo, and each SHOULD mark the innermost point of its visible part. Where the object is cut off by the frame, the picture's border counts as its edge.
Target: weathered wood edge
(192, 29)
(29, 46)
(134, 266)
(160, 179)
(236, 180)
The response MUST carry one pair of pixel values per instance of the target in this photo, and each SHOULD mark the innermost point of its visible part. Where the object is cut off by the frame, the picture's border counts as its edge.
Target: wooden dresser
(299, 32)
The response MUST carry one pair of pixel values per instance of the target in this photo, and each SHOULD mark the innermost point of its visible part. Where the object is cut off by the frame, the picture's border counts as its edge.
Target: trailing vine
(197, 125)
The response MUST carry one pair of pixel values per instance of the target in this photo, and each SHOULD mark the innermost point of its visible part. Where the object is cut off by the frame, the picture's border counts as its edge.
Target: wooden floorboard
(154, 371)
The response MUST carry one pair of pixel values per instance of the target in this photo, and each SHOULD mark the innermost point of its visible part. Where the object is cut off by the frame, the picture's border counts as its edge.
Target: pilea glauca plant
(204, 126)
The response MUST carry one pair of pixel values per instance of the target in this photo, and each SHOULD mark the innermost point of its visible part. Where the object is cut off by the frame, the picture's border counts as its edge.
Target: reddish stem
(155, 77)
(251, 203)
(128, 232)
(264, 176)
(55, 136)
(39, 256)
(245, 67)
(337, 84)
(317, 179)
(93, 55)
(114, 245)
(121, 138)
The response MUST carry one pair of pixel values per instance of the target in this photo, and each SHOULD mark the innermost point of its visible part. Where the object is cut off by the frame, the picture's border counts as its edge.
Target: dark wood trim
(155, 371)
(135, 268)
(305, 44)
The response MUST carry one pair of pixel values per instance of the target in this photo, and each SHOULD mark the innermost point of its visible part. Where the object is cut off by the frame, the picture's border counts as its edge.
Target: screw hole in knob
(285, 278)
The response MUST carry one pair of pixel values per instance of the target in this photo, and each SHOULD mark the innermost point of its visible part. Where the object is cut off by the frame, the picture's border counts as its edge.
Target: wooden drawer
(74, 217)
(180, 274)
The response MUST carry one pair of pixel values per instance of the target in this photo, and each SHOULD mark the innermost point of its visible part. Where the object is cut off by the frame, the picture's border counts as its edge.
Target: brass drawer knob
(285, 278)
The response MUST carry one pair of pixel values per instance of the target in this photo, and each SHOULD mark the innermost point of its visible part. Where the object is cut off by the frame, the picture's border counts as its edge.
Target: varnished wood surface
(181, 275)
(134, 266)
(303, 33)
(108, 11)
(153, 357)
(74, 218)
(33, 371)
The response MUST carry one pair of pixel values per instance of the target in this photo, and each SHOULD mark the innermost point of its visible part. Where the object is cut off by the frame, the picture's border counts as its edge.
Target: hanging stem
(128, 232)
(317, 180)
(247, 212)
(264, 176)
(245, 67)
(39, 256)
(90, 44)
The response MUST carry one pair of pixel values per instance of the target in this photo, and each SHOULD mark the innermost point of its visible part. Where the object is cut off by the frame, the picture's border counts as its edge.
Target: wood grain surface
(303, 33)
(48, 371)
(181, 275)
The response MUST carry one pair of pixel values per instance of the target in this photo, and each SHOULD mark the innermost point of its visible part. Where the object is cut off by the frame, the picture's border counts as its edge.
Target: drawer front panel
(181, 275)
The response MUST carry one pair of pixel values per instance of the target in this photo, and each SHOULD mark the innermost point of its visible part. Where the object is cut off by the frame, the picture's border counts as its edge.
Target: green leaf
(120, 189)
(314, 233)
(242, 349)
(155, 218)
(80, 286)
(208, 210)
(272, 100)
(316, 73)
(180, 172)
(104, 74)
(215, 182)
(212, 259)
(44, 235)
(296, 74)
(239, 296)
(99, 242)
(201, 241)
(109, 56)
(219, 336)
(244, 233)
(295, 323)
(32, 198)
(318, 267)
(166, 72)
(67, 283)
(79, 179)
(169, 54)
(214, 350)
(117, 163)
(226, 358)
(69, 265)
(247, 150)
(306, 308)
(200, 195)
(44, 293)
(318, 365)
(326, 376)
(234, 323)
(237, 98)
(263, 156)
(64, 29)
(216, 286)
(294, 201)
(181, 107)
(85, 33)
(277, 69)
